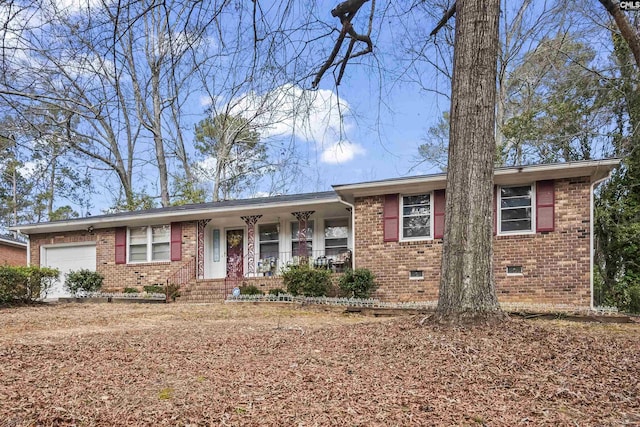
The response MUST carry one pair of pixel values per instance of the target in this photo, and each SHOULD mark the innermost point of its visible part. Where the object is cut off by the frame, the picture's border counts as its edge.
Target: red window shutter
(495, 210)
(176, 241)
(121, 245)
(545, 202)
(390, 217)
(438, 214)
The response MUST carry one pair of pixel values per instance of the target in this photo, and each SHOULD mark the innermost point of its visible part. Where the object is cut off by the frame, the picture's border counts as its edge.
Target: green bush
(277, 291)
(633, 306)
(83, 280)
(130, 291)
(25, 284)
(250, 290)
(306, 281)
(154, 289)
(358, 283)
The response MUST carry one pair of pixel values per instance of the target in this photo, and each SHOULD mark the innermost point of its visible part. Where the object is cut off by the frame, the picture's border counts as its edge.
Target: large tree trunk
(627, 31)
(158, 141)
(467, 287)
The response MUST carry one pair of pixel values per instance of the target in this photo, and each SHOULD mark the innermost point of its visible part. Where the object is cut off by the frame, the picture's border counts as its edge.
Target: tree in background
(553, 105)
(617, 219)
(235, 149)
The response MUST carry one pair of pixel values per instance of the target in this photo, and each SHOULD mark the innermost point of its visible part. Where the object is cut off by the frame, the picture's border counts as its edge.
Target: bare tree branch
(630, 35)
(444, 20)
(346, 11)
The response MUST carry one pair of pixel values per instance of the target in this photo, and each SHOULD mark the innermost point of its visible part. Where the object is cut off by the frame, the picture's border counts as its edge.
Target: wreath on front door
(234, 240)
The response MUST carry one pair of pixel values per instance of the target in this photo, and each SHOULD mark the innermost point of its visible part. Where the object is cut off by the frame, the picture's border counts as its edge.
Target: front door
(235, 260)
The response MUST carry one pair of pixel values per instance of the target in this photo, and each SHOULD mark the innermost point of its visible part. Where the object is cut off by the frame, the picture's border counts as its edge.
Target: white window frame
(521, 273)
(401, 221)
(260, 241)
(149, 245)
(324, 226)
(533, 210)
(420, 277)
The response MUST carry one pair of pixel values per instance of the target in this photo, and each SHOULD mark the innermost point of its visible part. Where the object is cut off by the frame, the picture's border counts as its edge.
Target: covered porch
(260, 242)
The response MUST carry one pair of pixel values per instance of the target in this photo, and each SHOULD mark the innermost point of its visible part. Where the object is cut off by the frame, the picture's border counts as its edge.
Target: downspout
(353, 230)
(17, 231)
(591, 243)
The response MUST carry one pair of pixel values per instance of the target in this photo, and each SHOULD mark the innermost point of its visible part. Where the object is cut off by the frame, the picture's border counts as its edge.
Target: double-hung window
(294, 238)
(516, 213)
(148, 244)
(416, 217)
(336, 233)
(269, 240)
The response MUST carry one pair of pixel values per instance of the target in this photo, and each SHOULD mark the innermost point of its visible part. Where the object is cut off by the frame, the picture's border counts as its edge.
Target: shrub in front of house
(358, 283)
(154, 289)
(25, 284)
(83, 280)
(130, 291)
(306, 281)
(277, 291)
(250, 290)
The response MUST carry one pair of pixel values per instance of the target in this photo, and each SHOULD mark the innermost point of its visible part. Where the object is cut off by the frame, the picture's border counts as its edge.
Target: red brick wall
(12, 255)
(117, 277)
(555, 264)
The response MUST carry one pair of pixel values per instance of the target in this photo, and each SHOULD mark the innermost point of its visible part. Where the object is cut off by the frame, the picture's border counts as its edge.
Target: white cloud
(341, 152)
(205, 101)
(204, 169)
(259, 194)
(318, 117)
(29, 169)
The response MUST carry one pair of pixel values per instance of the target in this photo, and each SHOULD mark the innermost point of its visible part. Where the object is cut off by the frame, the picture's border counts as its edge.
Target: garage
(66, 258)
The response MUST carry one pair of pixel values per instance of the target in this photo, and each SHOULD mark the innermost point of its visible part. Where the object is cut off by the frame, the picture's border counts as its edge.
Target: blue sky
(391, 100)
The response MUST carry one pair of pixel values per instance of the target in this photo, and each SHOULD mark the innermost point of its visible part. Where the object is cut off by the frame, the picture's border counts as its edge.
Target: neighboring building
(12, 251)
(542, 247)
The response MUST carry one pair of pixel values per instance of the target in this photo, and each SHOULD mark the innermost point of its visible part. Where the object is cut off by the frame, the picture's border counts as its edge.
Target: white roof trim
(506, 175)
(164, 217)
(595, 169)
(13, 243)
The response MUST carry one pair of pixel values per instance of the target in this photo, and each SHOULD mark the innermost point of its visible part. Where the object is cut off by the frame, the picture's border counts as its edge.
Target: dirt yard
(178, 365)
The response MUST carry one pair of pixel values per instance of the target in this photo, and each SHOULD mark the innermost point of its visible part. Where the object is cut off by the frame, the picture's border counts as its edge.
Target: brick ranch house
(12, 251)
(543, 240)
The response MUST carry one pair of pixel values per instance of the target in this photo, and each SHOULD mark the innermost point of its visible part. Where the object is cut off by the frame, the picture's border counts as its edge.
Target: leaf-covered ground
(120, 364)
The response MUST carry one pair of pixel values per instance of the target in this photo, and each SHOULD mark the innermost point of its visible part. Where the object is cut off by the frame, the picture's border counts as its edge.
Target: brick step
(194, 292)
(200, 286)
(187, 300)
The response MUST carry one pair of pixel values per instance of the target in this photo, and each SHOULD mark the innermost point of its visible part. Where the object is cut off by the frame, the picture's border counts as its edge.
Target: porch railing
(183, 275)
(271, 264)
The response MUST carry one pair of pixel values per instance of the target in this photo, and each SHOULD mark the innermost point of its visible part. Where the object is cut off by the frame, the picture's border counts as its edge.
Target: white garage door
(66, 258)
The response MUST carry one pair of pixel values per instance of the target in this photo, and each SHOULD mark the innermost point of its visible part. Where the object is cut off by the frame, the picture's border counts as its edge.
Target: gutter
(353, 229)
(122, 219)
(591, 243)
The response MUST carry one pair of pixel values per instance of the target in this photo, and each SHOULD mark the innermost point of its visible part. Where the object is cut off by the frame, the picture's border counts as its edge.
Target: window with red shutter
(121, 245)
(176, 241)
(545, 202)
(390, 218)
(438, 213)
